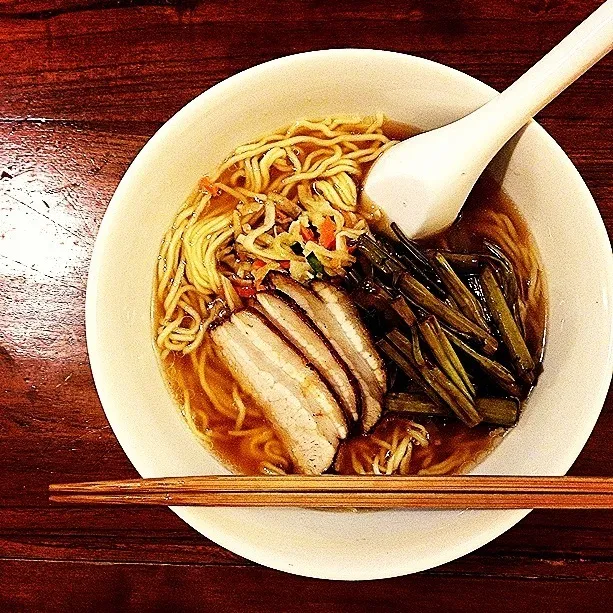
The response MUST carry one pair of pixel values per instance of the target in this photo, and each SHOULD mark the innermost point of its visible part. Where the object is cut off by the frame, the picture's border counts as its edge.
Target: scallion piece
(315, 264)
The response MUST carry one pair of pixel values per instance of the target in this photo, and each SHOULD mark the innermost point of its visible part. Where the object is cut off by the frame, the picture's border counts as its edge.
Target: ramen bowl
(535, 173)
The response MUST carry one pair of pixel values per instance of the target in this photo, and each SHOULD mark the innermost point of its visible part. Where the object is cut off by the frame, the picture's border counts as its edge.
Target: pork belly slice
(332, 312)
(346, 314)
(281, 354)
(289, 404)
(295, 326)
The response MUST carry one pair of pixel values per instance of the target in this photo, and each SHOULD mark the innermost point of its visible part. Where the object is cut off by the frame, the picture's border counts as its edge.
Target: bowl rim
(227, 539)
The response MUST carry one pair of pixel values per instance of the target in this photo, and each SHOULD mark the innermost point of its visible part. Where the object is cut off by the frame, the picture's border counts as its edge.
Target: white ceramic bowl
(535, 172)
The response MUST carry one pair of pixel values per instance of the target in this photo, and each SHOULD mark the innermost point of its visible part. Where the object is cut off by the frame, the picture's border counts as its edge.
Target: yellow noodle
(404, 466)
(242, 410)
(442, 468)
(375, 466)
(248, 433)
(294, 140)
(272, 453)
(168, 329)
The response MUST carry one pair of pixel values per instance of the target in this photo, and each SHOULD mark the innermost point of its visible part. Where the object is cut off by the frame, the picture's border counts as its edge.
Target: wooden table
(83, 85)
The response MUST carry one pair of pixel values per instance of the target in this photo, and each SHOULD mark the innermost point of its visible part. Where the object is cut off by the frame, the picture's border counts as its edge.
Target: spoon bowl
(421, 183)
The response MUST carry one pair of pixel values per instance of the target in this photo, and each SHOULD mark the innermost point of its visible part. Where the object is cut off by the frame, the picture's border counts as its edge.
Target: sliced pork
(322, 403)
(292, 395)
(295, 326)
(348, 318)
(336, 317)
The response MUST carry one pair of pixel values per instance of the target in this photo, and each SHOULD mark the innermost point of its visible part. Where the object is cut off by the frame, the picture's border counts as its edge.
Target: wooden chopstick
(336, 491)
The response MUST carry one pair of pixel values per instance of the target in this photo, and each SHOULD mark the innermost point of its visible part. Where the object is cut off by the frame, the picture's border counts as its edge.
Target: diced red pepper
(284, 264)
(245, 291)
(259, 264)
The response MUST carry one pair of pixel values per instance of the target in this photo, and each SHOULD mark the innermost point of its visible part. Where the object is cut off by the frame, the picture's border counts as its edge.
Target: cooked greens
(450, 323)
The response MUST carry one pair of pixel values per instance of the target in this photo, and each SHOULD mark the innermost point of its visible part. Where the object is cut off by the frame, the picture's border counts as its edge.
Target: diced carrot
(307, 233)
(327, 233)
(284, 264)
(259, 263)
(245, 291)
(206, 185)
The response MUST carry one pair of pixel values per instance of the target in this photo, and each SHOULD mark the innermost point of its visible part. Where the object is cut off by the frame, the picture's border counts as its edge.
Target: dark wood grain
(232, 588)
(83, 85)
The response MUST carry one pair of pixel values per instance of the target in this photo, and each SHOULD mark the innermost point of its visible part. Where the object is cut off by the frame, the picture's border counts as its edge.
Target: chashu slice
(336, 317)
(297, 328)
(348, 318)
(311, 452)
(276, 350)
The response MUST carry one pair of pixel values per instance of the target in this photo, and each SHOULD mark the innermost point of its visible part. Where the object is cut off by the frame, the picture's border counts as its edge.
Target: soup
(291, 347)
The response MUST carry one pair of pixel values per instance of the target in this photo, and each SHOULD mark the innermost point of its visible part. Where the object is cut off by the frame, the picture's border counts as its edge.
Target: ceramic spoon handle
(582, 48)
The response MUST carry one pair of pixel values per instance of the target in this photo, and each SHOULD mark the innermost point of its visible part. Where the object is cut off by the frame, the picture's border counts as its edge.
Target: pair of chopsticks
(336, 491)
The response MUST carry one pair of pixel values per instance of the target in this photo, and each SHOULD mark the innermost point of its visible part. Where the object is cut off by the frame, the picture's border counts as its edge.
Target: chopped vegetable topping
(327, 233)
(245, 291)
(206, 185)
(296, 248)
(315, 264)
(307, 234)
